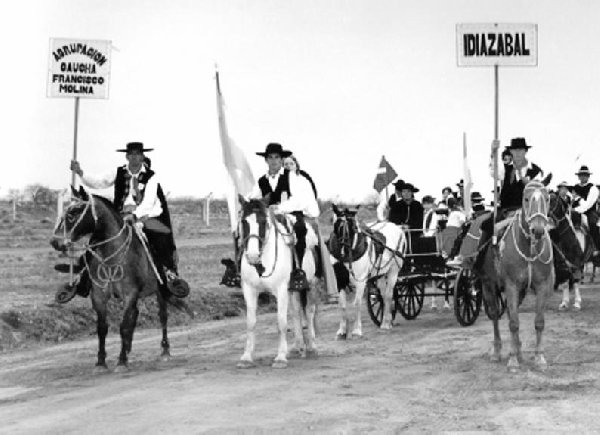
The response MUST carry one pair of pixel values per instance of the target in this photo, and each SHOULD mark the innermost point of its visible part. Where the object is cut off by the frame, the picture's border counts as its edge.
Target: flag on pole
(240, 173)
(385, 175)
(468, 183)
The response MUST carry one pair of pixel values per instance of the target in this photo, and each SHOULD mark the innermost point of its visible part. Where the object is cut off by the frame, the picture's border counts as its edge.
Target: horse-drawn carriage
(424, 263)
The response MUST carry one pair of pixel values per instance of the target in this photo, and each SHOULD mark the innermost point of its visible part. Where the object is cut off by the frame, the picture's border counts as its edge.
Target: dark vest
(283, 185)
(582, 191)
(511, 195)
(402, 213)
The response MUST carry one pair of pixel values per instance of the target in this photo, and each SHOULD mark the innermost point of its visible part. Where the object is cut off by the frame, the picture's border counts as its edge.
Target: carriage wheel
(409, 298)
(467, 298)
(375, 303)
(501, 301)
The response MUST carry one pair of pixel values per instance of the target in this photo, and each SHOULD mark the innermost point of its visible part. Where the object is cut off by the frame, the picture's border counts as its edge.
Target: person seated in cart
(404, 210)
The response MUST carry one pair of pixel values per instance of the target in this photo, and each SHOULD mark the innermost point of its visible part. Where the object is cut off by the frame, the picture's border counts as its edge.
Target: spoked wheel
(467, 298)
(501, 301)
(409, 297)
(375, 303)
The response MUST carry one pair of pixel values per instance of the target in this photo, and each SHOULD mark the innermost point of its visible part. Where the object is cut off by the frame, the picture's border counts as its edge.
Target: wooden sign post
(496, 45)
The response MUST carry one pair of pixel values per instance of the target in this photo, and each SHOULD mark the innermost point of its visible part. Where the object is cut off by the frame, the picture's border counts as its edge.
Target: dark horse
(569, 257)
(118, 264)
(523, 259)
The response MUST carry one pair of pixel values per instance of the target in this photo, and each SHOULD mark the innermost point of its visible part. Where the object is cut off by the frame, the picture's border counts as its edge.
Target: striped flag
(235, 162)
(385, 175)
(468, 183)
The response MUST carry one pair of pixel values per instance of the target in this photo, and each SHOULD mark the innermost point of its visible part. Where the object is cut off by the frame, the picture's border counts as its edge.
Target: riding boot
(298, 279)
(80, 287)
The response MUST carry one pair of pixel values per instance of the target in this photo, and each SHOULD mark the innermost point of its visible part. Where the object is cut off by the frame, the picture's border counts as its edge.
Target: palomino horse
(266, 264)
(522, 260)
(568, 253)
(117, 264)
(376, 253)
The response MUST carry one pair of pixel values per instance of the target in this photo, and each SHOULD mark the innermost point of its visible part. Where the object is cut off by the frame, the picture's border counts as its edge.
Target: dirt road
(428, 375)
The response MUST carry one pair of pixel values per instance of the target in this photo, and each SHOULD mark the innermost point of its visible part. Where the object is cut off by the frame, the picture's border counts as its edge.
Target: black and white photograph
(299, 216)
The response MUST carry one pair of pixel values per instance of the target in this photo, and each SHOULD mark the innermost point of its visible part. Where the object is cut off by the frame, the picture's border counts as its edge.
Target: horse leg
(360, 290)
(311, 320)
(126, 330)
(342, 331)
(540, 306)
(296, 314)
(491, 300)
(564, 304)
(251, 298)
(99, 305)
(512, 300)
(386, 322)
(163, 316)
(280, 361)
(577, 301)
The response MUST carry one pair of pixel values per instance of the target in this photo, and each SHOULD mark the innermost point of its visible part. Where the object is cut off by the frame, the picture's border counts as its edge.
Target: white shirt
(302, 198)
(150, 205)
(456, 218)
(590, 202)
(429, 231)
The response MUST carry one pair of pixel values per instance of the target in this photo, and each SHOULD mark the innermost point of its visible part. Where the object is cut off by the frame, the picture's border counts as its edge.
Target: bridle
(263, 236)
(536, 205)
(89, 204)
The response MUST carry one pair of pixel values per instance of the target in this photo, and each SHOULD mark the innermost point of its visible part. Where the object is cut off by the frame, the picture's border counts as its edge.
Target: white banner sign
(78, 68)
(496, 44)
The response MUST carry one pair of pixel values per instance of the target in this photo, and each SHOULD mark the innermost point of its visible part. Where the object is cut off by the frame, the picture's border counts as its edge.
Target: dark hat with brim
(584, 170)
(506, 152)
(274, 148)
(398, 184)
(409, 186)
(518, 143)
(135, 146)
(476, 197)
(564, 184)
(428, 199)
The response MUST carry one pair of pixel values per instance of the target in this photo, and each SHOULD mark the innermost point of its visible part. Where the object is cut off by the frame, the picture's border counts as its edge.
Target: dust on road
(427, 375)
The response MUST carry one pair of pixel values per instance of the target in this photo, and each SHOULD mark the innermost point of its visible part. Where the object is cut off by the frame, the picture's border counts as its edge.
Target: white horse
(266, 264)
(365, 254)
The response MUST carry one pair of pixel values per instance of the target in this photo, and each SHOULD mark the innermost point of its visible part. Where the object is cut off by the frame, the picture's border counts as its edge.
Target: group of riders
(288, 190)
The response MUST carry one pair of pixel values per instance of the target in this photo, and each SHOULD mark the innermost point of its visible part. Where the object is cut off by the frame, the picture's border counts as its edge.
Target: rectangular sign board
(496, 44)
(78, 68)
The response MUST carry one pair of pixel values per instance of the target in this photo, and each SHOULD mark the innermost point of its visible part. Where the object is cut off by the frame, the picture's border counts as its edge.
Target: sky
(340, 83)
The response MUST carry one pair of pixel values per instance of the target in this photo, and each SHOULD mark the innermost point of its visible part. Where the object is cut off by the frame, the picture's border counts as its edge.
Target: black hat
(584, 170)
(135, 146)
(506, 152)
(518, 143)
(409, 186)
(275, 148)
(449, 189)
(461, 183)
(428, 199)
(476, 197)
(398, 184)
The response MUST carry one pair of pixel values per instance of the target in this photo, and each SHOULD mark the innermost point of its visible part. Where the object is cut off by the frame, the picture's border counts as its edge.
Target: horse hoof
(100, 369)
(243, 364)
(121, 368)
(513, 369)
(340, 337)
(311, 353)
(577, 306)
(563, 306)
(279, 364)
(387, 327)
(358, 335)
(296, 353)
(165, 357)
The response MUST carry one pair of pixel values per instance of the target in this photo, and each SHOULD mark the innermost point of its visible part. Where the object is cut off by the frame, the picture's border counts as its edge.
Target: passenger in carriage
(290, 192)
(404, 210)
(430, 217)
(477, 205)
(515, 176)
(585, 197)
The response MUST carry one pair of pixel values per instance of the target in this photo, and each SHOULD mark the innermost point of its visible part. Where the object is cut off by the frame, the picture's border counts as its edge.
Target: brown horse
(523, 259)
(118, 265)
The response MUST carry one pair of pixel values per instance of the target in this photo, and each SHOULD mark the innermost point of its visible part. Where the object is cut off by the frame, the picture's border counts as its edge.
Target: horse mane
(110, 206)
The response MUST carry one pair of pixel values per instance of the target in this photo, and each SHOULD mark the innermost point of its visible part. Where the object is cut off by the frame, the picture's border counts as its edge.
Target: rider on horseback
(292, 193)
(140, 199)
(515, 176)
(585, 195)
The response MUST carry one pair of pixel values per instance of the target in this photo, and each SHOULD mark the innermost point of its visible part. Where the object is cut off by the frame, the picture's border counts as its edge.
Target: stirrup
(65, 268)
(66, 293)
(298, 281)
(177, 286)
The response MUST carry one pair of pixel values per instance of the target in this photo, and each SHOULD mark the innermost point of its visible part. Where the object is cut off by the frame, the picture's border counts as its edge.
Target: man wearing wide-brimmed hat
(403, 208)
(293, 196)
(585, 197)
(138, 197)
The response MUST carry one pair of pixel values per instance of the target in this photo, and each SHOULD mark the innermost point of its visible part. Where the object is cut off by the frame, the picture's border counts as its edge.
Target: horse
(118, 264)
(523, 259)
(266, 265)
(378, 249)
(569, 246)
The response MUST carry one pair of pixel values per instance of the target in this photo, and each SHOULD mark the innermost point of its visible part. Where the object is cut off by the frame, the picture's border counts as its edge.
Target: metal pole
(495, 150)
(74, 179)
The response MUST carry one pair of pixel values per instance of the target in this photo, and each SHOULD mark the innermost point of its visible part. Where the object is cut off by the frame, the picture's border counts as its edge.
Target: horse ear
(241, 199)
(74, 192)
(83, 194)
(547, 179)
(335, 209)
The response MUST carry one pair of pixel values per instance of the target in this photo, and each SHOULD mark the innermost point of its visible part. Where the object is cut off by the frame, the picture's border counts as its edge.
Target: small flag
(385, 175)
(235, 161)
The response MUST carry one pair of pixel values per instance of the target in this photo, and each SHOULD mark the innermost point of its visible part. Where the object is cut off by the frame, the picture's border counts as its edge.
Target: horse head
(254, 224)
(78, 220)
(535, 207)
(345, 229)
